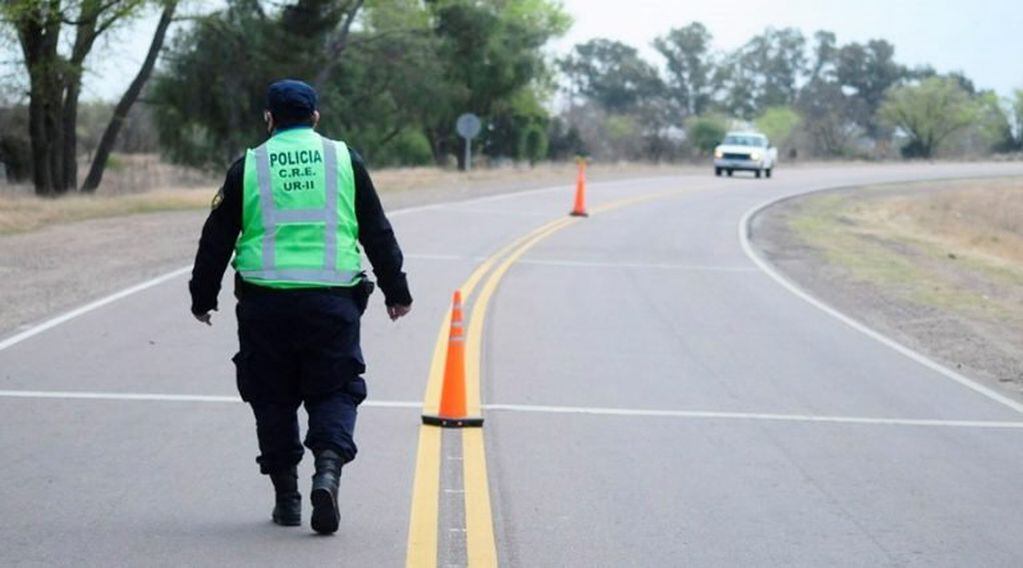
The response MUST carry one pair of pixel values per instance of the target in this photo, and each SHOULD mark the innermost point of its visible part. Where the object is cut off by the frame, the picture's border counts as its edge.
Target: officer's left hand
(206, 318)
(397, 311)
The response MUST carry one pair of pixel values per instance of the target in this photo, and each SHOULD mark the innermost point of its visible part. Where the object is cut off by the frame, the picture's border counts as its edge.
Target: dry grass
(957, 245)
(131, 184)
(22, 213)
(132, 174)
(983, 218)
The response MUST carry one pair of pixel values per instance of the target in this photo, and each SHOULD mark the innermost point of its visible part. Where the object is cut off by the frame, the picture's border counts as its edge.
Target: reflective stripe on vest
(271, 217)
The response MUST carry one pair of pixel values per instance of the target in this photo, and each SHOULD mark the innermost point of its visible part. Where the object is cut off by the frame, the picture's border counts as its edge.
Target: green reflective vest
(299, 228)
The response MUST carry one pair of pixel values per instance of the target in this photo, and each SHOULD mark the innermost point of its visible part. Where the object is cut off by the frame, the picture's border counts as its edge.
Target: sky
(983, 38)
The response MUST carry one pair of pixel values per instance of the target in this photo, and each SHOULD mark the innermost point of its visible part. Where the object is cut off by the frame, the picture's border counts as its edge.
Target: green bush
(778, 123)
(409, 148)
(705, 132)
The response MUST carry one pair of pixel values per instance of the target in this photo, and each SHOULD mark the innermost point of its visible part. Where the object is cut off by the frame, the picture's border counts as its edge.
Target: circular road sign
(468, 126)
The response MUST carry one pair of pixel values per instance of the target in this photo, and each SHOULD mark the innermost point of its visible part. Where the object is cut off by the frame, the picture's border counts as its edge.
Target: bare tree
(338, 42)
(55, 78)
(106, 143)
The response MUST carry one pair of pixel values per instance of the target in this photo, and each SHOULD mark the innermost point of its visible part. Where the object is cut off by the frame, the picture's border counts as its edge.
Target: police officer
(293, 212)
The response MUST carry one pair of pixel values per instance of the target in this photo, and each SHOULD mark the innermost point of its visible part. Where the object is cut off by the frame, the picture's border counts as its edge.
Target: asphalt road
(652, 398)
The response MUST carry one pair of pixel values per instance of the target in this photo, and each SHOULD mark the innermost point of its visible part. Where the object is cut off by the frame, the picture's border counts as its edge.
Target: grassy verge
(955, 245)
(21, 213)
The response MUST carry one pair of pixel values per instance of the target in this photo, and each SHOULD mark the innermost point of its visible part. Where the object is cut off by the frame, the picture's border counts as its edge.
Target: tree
(829, 116)
(1014, 116)
(612, 74)
(690, 67)
(517, 128)
(763, 73)
(991, 129)
(564, 141)
(15, 149)
(626, 112)
(778, 123)
(490, 51)
(206, 123)
(706, 132)
(825, 53)
(388, 83)
(55, 69)
(401, 72)
(106, 143)
(246, 47)
(868, 71)
(928, 113)
(337, 37)
(533, 145)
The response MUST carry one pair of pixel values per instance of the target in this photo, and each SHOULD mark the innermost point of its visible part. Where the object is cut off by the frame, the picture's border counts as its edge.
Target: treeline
(55, 39)
(812, 97)
(394, 84)
(394, 74)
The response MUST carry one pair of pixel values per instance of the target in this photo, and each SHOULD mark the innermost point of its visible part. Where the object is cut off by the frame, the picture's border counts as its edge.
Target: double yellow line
(481, 548)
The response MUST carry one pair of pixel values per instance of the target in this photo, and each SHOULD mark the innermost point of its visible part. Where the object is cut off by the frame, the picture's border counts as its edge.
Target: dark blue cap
(290, 100)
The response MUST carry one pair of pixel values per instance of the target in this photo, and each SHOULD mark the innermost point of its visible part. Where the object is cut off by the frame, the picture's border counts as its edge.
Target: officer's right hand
(397, 311)
(205, 318)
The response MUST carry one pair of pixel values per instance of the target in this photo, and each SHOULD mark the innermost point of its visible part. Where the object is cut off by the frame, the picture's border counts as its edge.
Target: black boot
(326, 516)
(288, 506)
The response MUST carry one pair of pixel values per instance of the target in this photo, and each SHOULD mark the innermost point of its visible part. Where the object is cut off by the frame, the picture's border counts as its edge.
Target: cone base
(579, 214)
(446, 422)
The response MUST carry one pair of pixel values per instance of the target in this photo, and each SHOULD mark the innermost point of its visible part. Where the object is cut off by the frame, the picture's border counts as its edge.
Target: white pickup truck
(749, 151)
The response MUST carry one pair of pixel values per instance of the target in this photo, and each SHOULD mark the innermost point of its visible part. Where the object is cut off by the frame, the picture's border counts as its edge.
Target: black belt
(243, 288)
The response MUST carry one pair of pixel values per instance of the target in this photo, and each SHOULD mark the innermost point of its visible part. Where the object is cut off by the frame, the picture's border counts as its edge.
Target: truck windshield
(734, 140)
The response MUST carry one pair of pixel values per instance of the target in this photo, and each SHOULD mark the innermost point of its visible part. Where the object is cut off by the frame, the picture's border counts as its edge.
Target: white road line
(752, 416)
(745, 229)
(532, 408)
(51, 323)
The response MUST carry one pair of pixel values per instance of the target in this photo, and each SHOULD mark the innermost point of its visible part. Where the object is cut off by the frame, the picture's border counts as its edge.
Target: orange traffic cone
(452, 396)
(580, 191)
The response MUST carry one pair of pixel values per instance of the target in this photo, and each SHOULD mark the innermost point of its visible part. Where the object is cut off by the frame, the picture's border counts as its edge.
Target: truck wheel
(767, 172)
(729, 173)
(717, 172)
(756, 174)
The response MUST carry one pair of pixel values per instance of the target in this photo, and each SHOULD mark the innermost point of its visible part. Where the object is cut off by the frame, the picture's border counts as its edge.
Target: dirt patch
(55, 269)
(936, 265)
(59, 254)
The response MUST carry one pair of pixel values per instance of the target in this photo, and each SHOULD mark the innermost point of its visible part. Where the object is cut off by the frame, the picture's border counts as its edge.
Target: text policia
(296, 168)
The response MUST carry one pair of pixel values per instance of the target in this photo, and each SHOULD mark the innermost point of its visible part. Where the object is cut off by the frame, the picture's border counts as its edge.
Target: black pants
(300, 347)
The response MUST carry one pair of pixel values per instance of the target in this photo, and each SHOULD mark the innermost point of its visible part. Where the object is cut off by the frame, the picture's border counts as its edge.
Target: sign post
(468, 126)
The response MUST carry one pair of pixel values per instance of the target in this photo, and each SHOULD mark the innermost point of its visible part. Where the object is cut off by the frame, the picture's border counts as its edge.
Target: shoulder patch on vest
(217, 199)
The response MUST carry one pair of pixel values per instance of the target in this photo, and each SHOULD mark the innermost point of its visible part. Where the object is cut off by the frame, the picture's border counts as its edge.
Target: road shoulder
(932, 265)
